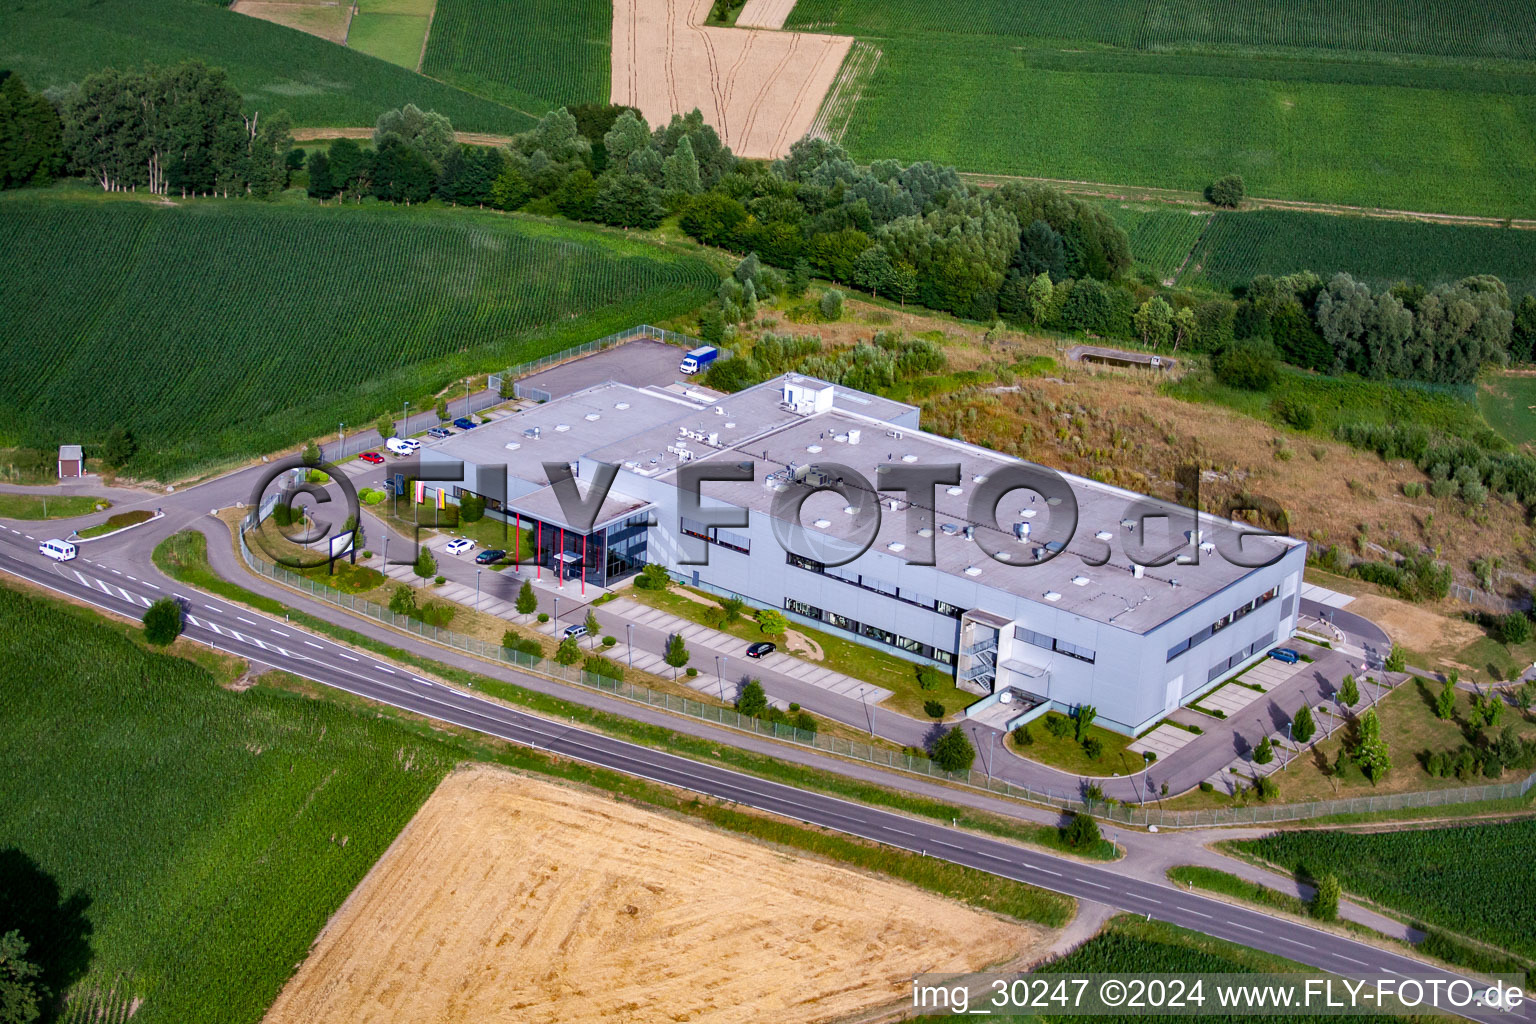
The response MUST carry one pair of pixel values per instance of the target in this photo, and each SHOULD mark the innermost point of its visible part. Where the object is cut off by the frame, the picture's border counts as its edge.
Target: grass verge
(55, 506)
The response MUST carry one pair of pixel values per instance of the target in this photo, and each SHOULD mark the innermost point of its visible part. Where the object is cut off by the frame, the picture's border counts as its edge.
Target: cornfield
(538, 56)
(1160, 238)
(225, 328)
(178, 844)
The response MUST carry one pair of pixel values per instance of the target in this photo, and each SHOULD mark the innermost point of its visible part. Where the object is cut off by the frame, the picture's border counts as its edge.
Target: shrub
(1325, 899)
(1248, 365)
(772, 622)
(1093, 748)
(1057, 725)
(933, 709)
(691, 672)
(1081, 832)
(653, 577)
(752, 701)
(1514, 628)
(1206, 787)
(440, 580)
(471, 508)
(831, 304)
(438, 613)
(1413, 489)
(514, 641)
(402, 601)
(543, 617)
(609, 641)
(601, 666)
(568, 653)
(1264, 752)
(1294, 412)
(931, 678)
(805, 722)
(1023, 736)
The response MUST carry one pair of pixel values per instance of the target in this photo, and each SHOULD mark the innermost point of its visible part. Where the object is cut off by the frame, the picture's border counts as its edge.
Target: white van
(403, 445)
(58, 550)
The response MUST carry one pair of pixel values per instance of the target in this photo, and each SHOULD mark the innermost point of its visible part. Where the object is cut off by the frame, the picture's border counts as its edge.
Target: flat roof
(1109, 592)
(545, 505)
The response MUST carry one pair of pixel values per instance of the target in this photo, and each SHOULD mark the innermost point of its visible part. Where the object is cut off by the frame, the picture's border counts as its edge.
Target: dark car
(761, 648)
(372, 458)
(1285, 654)
(439, 432)
(464, 423)
(493, 555)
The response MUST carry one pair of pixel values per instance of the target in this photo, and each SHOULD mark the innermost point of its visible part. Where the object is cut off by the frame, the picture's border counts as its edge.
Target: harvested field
(512, 899)
(327, 19)
(761, 90)
(764, 13)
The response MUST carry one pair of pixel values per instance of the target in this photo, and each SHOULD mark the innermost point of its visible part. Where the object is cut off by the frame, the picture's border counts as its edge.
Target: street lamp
(386, 550)
(466, 397)
(720, 675)
(477, 588)
(1146, 761)
(405, 418)
(557, 613)
(629, 641)
(341, 437)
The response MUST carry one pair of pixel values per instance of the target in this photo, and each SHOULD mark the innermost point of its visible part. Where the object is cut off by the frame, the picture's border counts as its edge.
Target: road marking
(381, 668)
(347, 656)
(79, 577)
(1351, 959)
(215, 627)
(423, 682)
(213, 608)
(1096, 885)
(1149, 899)
(314, 645)
(1197, 913)
(258, 643)
(119, 572)
(193, 619)
(126, 596)
(899, 831)
(1245, 927)
(280, 633)
(149, 584)
(134, 578)
(247, 621)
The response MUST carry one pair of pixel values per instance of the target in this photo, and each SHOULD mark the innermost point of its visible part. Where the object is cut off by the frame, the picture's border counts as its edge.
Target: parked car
(458, 547)
(576, 632)
(439, 432)
(372, 458)
(403, 445)
(761, 649)
(58, 550)
(464, 423)
(1285, 654)
(490, 555)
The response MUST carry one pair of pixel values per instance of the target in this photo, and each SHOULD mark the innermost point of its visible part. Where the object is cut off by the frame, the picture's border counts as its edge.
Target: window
(800, 562)
(944, 608)
(735, 541)
(810, 611)
(694, 528)
(842, 622)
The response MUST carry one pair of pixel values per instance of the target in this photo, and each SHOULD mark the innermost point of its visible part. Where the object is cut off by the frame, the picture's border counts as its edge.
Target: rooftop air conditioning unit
(532, 433)
(1138, 570)
(853, 437)
(1021, 530)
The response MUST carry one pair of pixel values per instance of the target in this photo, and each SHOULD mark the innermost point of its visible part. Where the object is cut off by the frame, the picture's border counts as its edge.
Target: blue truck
(698, 359)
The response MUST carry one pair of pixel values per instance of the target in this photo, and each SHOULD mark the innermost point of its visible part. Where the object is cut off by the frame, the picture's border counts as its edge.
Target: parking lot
(640, 362)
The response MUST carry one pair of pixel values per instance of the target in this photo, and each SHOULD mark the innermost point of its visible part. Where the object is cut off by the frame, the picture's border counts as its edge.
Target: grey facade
(1137, 610)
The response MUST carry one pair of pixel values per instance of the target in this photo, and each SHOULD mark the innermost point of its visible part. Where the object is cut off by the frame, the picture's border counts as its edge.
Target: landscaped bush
(933, 709)
(932, 678)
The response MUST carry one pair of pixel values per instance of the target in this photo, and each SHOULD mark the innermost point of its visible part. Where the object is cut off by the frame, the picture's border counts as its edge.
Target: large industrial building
(1020, 609)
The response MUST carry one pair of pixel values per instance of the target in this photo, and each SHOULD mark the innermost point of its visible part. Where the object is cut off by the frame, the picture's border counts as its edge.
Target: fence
(868, 753)
(512, 373)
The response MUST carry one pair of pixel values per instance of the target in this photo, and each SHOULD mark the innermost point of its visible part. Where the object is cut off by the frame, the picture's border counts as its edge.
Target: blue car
(1285, 654)
(464, 423)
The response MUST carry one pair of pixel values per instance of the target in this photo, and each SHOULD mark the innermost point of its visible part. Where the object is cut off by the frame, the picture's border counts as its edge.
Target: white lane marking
(118, 572)
(423, 682)
(280, 633)
(149, 584)
(314, 645)
(1351, 959)
(1197, 913)
(1139, 896)
(134, 578)
(1043, 871)
(126, 596)
(82, 579)
(215, 627)
(899, 831)
(213, 607)
(347, 656)
(30, 537)
(1096, 885)
(1245, 927)
(247, 621)
(381, 668)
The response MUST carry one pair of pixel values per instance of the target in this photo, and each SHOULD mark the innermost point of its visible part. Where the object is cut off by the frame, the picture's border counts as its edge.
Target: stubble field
(509, 899)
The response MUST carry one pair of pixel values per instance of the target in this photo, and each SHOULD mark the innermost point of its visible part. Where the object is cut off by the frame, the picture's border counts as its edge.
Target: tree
(310, 456)
(1081, 832)
(593, 626)
(799, 279)
(1514, 628)
(628, 135)
(772, 622)
(471, 508)
(1396, 661)
(21, 993)
(1445, 701)
(903, 281)
(1349, 693)
(680, 171)
(628, 201)
(1154, 321)
(1264, 752)
(425, 565)
(1302, 726)
(731, 609)
(31, 136)
(752, 701)
(653, 576)
(569, 652)
(1371, 753)
(1249, 365)
(1325, 898)
(162, 621)
(527, 601)
(676, 653)
(402, 173)
(118, 448)
(442, 410)
(427, 132)
(953, 752)
(1082, 718)
(1227, 191)
(1041, 251)
(385, 425)
(831, 304)
(1183, 326)
(873, 269)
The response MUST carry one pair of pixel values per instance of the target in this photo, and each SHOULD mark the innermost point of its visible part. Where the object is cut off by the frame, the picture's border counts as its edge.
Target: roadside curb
(75, 538)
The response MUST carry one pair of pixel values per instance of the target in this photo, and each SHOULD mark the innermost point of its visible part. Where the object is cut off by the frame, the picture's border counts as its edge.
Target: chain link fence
(883, 757)
(496, 380)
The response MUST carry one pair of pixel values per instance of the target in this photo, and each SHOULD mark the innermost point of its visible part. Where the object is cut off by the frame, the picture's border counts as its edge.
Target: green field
(1382, 252)
(1470, 880)
(1152, 119)
(1506, 402)
(1462, 28)
(392, 37)
(52, 43)
(204, 836)
(1160, 237)
(543, 54)
(224, 328)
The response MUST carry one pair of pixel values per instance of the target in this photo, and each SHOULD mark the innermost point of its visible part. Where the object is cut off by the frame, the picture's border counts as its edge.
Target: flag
(421, 492)
(442, 497)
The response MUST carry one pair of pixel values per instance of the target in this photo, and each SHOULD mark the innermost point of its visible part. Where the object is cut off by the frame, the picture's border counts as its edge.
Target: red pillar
(560, 563)
(517, 538)
(538, 563)
(583, 565)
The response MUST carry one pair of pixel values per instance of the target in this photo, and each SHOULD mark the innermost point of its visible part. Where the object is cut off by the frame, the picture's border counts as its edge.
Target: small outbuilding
(71, 461)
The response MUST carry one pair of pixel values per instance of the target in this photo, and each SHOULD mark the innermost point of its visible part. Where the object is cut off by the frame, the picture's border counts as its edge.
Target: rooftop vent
(1207, 547)
(840, 438)
(853, 437)
(622, 406)
(1029, 513)
(970, 533)
(532, 433)
(1081, 581)
(1021, 530)
(561, 428)
(1051, 595)
(719, 410)
(729, 425)
(1004, 556)
(972, 570)
(954, 490)
(813, 448)
(513, 446)
(1129, 524)
(1173, 582)
(979, 478)
(1138, 570)
(895, 545)
(849, 510)
(592, 417)
(822, 524)
(950, 529)
(925, 531)
(1104, 535)
(909, 458)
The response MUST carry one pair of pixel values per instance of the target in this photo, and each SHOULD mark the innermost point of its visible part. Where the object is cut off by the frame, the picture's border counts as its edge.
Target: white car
(458, 547)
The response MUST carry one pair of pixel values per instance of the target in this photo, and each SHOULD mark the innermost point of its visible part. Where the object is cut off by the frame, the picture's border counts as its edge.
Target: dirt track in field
(764, 13)
(513, 899)
(759, 89)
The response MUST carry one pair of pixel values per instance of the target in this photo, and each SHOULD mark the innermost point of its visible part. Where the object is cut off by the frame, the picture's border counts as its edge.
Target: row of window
(1224, 666)
(716, 535)
(1222, 623)
(1051, 643)
(872, 632)
(874, 585)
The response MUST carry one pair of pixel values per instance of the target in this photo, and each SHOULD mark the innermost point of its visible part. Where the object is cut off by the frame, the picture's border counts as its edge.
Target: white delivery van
(58, 550)
(403, 445)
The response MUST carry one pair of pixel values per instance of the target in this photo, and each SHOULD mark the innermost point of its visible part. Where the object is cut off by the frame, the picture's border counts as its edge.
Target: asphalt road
(278, 644)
